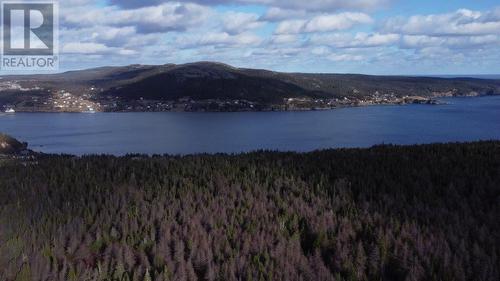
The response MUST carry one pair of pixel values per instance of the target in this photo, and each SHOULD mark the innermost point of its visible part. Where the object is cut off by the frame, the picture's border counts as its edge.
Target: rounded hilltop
(9, 145)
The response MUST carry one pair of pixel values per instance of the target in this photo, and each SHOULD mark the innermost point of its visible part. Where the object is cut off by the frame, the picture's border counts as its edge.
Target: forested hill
(209, 80)
(387, 213)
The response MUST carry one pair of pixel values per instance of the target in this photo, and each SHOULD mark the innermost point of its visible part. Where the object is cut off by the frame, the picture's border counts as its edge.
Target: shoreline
(27, 153)
(267, 108)
(234, 106)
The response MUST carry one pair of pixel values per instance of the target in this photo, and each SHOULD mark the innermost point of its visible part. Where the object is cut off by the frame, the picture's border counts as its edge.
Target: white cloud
(324, 23)
(452, 42)
(124, 37)
(125, 52)
(93, 48)
(320, 51)
(358, 40)
(291, 27)
(345, 57)
(463, 22)
(84, 48)
(285, 39)
(278, 14)
(220, 39)
(311, 5)
(239, 22)
(163, 18)
(375, 39)
(316, 35)
(277, 52)
(74, 3)
(336, 22)
(109, 33)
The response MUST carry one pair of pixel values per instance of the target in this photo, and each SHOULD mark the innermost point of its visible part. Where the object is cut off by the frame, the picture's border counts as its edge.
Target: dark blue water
(463, 119)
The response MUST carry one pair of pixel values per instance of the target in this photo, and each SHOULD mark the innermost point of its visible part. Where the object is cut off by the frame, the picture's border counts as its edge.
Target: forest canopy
(386, 213)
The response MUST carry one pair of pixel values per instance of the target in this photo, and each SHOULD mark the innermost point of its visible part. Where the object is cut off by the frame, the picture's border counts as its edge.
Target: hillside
(387, 213)
(216, 81)
(211, 81)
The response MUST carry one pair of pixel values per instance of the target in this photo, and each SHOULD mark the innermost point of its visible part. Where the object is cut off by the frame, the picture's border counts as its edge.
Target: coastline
(290, 105)
(12, 148)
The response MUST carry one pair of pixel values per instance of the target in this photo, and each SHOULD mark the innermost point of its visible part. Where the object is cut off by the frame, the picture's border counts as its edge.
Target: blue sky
(338, 36)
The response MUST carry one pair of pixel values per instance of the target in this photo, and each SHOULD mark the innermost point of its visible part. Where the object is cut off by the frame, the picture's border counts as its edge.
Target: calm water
(463, 119)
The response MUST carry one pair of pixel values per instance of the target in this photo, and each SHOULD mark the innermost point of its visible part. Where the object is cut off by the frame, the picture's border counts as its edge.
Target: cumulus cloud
(93, 48)
(277, 52)
(235, 23)
(285, 39)
(462, 32)
(462, 22)
(311, 5)
(345, 57)
(75, 3)
(358, 40)
(279, 14)
(320, 51)
(280, 33)
(324, 23)
(220, 39)
(162, 18)
(336, 22)
(123, 37)
(291, 27)
(453, 42)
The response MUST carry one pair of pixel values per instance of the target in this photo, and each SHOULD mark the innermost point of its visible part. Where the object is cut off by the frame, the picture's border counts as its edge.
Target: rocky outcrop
(9, 145)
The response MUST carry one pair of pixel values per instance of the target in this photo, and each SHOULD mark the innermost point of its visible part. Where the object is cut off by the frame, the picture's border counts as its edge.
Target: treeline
(386, 213)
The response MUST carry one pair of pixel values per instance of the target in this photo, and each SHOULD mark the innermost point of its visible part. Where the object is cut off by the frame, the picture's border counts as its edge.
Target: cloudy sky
(355, 36)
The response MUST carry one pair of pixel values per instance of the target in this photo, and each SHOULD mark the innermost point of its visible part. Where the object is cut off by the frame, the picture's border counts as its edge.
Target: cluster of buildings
(68, 102)
(288, 104)
(352, 101)
(14, 86)
(62, 101)
(182, 104)
(91, 101)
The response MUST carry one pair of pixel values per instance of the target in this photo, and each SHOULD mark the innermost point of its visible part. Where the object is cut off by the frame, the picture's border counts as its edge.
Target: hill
(216, 81)
(386, 213)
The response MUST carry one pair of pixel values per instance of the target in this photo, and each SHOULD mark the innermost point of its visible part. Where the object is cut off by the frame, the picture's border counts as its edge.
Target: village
(63, 101)
(91, 100)
(114, 104)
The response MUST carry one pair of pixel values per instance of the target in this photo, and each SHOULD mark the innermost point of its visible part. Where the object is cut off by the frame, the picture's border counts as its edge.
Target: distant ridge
(474, 76)
(213, 80)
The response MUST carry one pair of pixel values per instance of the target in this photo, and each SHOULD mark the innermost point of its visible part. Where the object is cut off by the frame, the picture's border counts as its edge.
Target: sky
(336, 36)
